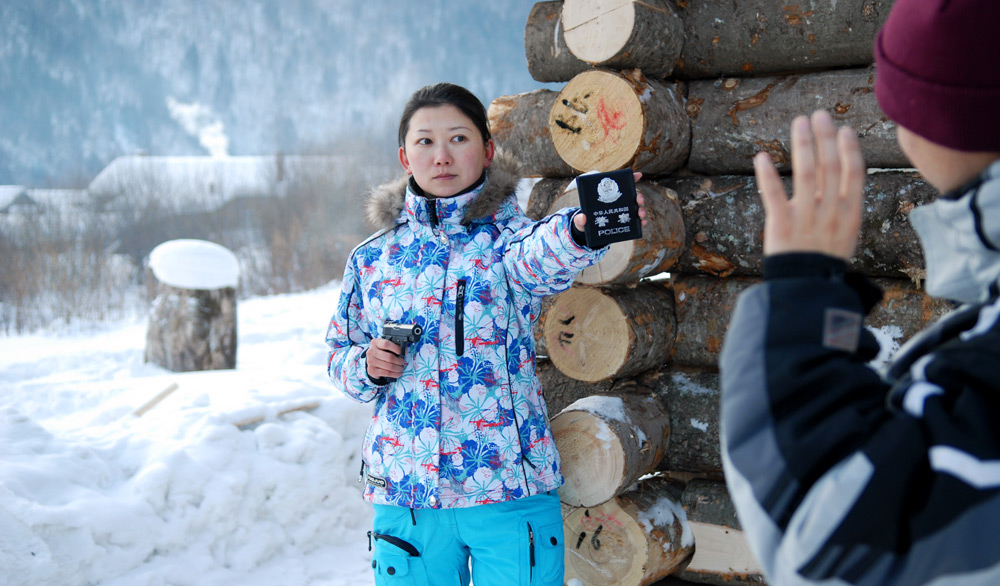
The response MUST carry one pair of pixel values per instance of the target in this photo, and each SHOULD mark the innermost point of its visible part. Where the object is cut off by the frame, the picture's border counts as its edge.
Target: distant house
(60, 200)
(206, 184)
(13, 198)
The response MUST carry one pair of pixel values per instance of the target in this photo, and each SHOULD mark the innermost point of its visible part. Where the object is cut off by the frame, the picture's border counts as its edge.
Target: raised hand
(828, 178)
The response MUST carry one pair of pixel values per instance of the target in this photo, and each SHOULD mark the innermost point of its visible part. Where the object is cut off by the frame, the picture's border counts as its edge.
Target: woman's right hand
(385, 359)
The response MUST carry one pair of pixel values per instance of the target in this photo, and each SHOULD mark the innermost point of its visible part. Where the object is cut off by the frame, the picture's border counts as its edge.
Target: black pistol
(401, 334)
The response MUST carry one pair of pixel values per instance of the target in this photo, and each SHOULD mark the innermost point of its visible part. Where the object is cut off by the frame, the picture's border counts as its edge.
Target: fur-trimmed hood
(386, 202)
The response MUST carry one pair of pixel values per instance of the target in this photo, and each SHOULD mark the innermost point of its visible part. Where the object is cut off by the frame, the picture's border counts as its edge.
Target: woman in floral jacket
(459, 459)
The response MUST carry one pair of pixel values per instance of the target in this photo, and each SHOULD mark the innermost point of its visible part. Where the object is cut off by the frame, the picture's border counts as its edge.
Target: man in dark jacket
(842, 474)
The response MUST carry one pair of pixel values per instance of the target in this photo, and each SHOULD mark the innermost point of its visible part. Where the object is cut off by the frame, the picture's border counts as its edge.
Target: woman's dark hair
(445, 94)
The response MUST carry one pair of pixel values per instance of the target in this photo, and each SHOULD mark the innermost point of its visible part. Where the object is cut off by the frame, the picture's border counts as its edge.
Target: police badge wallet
(608, 200)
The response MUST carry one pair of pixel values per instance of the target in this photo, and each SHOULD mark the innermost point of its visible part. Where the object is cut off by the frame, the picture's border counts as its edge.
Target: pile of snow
(91, 494)
(195, 264)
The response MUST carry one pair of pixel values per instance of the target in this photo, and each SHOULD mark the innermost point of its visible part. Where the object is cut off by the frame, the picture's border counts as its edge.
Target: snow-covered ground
(91, 494)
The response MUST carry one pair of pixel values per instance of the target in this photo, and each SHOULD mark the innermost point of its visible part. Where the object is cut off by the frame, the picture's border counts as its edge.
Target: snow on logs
(606, 443)
(687, 93)
(722, 555)
(700, 40)
(691, 399)
(633, 539)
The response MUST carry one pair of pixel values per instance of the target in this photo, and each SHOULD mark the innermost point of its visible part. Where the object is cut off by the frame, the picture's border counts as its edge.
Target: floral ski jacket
(466, 423)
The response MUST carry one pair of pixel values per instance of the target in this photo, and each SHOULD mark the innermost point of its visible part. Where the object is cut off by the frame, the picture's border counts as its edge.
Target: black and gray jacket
(842, 474)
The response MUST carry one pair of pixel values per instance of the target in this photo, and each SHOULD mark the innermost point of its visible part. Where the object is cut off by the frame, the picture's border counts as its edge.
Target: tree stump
(606, 443)
(722, 555)
(733, 119)
(631, 540)
(192, 324)
(549, 59)
(730, 38)
(520, 124)
(724, 223)
(624, 34)
(593, 334)
(607, 120)
(630, 260)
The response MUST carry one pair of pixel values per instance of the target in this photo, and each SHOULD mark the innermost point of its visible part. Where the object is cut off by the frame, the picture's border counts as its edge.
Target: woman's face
(444, 151)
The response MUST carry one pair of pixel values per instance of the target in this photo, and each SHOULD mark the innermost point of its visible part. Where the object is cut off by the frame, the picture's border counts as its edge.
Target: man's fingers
(803, 159)
(772, 192)
(777, 220)
(828, 157)
(852, 185)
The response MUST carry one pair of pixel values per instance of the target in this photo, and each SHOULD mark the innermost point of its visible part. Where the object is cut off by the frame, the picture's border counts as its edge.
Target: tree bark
(624, 34)
(721, 555)
(724, 223)
(549, 59)
(607, 120)
(633, 539)
(593, 334)
(543, 194)
(731, 38)
(629, 261)
(731, 121)
(691, 399)
(703, 308)
(520, 124)
(606, 443)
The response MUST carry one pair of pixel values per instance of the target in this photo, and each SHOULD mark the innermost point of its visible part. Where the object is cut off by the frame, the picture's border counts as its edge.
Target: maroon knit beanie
(938, 71)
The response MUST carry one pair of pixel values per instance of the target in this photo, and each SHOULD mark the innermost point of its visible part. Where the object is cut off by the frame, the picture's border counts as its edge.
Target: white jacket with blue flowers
(466, 423)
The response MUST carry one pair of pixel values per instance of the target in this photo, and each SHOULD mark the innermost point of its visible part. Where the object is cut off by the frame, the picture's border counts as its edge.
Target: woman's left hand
(580, 219)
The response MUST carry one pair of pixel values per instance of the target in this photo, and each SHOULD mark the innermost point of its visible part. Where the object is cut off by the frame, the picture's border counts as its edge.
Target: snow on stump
(192, 324)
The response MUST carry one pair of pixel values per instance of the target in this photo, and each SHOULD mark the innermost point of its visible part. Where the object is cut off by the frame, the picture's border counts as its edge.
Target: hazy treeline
(60, 265)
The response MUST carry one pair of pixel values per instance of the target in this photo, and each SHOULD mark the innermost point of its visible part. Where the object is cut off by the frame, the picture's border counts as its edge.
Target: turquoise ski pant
(513, 543)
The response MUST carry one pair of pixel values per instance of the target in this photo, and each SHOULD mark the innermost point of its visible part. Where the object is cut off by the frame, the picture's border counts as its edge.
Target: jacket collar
(394, 202)
(960, 235)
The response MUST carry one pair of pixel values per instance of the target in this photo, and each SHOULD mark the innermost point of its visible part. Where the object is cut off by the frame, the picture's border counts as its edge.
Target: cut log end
(597, 122)
(579, 324)
(589, 448)
(597, 30)
(634, 539)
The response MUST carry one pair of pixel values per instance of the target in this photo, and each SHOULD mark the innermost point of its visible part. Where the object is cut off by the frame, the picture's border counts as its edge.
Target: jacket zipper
(460, 317)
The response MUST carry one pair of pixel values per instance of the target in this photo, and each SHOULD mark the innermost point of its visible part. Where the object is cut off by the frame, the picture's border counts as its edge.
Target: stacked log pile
(685, 92)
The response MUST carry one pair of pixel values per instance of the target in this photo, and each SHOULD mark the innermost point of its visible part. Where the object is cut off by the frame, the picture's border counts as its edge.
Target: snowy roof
(9, 193)
(207, 182)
